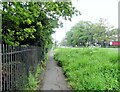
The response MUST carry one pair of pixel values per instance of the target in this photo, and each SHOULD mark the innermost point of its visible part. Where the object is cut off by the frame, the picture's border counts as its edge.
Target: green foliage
(89, 68)
(33, 79)
(85, 33)
(32, 23)
(32, 83)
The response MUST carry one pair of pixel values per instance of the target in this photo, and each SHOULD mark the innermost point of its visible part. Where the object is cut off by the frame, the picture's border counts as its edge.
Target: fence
(15, 63)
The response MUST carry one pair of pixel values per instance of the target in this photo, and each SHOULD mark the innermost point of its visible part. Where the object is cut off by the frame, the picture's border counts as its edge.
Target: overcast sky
(91, 10)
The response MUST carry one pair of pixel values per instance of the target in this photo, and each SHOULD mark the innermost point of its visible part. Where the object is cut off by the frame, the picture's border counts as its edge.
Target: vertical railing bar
(0, 67)
(15, 66)
(7, 67)
(3, 67)
(11, 67)
(6, 70)
(6, 82)
(19, 65)
(22, 65)
(27, 64)
(16, 62)
(18, 58)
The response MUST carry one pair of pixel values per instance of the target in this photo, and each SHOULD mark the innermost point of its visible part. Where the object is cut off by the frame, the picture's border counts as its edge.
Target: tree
(103, 33)
(79, 34)
(32, 23)
(86, 33)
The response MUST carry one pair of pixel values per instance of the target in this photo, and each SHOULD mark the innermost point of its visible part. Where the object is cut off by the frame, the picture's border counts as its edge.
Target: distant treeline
(86, 33)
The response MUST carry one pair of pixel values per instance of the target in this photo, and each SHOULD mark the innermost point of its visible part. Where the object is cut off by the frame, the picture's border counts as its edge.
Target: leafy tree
(32, 23)
(86, 33)
(103, 33)
(79, 34)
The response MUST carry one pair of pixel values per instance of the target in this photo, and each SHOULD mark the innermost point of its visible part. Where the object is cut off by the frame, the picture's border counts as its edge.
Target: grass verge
(89, 68)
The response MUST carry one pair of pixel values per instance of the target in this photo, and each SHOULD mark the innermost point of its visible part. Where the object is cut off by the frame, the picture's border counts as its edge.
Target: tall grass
(89, 68)
(33, 80)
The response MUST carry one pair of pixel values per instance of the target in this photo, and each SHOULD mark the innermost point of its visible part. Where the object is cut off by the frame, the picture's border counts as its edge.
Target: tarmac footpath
(53, 77)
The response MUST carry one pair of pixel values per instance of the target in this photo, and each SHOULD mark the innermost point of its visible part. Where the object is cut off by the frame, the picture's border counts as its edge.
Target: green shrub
(33, 79)
(32, 84)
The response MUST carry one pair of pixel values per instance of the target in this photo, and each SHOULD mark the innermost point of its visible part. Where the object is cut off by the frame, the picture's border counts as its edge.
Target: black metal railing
(15, 64)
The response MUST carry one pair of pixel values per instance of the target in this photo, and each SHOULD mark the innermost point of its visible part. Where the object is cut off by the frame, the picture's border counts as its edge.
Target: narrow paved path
(54, 78)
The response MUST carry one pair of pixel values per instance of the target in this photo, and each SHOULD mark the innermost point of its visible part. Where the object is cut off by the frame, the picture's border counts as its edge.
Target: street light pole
(55, 39)
(118, 21)
(65, 34)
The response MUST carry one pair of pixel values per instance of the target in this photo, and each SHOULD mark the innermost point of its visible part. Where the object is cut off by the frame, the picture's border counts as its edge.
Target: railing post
(0, 67)
(26, 61)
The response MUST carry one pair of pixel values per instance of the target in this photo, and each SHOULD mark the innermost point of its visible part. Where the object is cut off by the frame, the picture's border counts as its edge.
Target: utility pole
(65, 34)
(118, 15)
(118, 20)
(55, 40)
(119, 27)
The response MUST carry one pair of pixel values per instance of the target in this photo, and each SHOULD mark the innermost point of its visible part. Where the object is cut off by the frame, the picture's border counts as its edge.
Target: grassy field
(89, 68)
